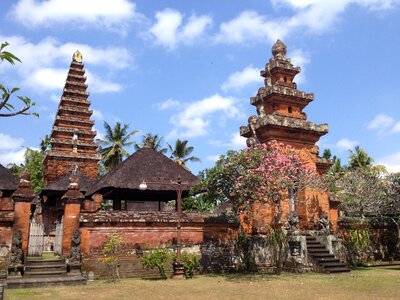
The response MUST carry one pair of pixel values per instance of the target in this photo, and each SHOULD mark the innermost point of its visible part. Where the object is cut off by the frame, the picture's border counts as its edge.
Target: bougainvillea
(262, 173)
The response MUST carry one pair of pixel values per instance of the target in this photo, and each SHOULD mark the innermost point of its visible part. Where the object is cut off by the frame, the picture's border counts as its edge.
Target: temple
(72, 136)
(280, 117)
(76, 211)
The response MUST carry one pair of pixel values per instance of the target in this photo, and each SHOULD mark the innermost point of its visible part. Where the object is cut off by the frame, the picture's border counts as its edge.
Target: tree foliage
(6, 108)
(156, 259)
(112, 147)
(181, 152)
(111, 252)
(153, 141)
(33, 161)
(263, 173)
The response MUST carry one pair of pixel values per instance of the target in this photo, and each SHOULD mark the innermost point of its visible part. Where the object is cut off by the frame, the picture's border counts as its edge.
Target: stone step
(322, 260)
(317, 251)
(35, 274)
(337, 270)
(316, 246)
(45, 267)
(313, 243)
(15, 283)
(336, 264)
(44, 261)
(320, 255)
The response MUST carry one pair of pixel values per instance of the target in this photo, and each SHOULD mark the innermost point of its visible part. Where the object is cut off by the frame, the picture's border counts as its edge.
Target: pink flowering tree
(271, 173)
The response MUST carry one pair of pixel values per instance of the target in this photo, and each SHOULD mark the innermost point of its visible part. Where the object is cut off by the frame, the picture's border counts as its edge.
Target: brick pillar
(23, 197)
(72, 208)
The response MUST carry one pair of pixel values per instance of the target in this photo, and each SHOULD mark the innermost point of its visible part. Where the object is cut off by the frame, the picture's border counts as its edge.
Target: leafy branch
(6, 93)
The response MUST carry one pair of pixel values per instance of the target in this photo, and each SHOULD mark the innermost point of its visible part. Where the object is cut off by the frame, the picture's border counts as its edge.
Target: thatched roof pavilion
(8, 181)
(146, 165)
(58, 187)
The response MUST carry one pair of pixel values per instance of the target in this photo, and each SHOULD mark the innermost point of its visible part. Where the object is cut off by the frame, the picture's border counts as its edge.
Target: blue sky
(186, 69)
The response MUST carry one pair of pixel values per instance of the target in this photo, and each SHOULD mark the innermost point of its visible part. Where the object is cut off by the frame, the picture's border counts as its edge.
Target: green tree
(327, 154)
(152, 141)
(112, 252)
(181, 152)
(359, 158)
(44, 143)
(33, 161)
(5, 104)
(112, 147)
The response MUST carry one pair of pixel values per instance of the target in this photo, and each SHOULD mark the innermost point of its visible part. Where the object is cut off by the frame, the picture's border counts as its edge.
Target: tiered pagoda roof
(280, 106)
(72, 136)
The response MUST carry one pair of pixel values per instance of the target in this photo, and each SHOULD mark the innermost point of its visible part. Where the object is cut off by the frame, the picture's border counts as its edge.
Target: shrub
(190, 263)
(111, 251)
(156, 258)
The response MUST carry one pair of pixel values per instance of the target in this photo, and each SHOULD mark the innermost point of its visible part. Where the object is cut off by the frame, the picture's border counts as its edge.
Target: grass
(365, 283)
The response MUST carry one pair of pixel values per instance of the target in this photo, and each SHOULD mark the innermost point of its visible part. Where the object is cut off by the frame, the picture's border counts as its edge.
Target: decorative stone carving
(324, 226)
(295, 248)
(17, 255)
(75, 255)
(37, 215)
(293, 224)
(279, 49)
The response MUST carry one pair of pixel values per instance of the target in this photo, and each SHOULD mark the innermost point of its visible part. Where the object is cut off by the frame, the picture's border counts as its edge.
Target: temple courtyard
(363, 283)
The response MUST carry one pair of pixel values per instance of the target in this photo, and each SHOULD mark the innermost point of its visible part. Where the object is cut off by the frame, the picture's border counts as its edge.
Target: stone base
(178, 270)
(74, 269)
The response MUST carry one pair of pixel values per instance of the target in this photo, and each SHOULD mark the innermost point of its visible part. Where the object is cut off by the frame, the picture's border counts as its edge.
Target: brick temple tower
(72, 136)
(280, 117)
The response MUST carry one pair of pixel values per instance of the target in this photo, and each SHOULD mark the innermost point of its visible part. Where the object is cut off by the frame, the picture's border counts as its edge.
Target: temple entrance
(35, 246)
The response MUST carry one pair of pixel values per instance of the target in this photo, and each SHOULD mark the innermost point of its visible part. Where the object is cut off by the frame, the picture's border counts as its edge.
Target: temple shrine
(280, 116)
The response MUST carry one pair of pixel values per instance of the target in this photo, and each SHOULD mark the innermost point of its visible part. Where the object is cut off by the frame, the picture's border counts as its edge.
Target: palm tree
(181, 152)
(359, 158)
(112, 147)
(152, 141)
(45, 143)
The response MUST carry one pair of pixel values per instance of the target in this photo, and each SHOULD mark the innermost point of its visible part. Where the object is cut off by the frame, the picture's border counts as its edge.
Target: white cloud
(8, 142)
(195, 118)
(237, 142)
(380, 122)
(170, 103)
(396, 128)
(169, 30)
(249, 26)
(346, 144)
(114, 14)
(41, 63)
(98, 115)
(242, 79)
(316, 16)
(299, 59)
(13, 157)
(47, 79)
(391, 162)
(99, 85)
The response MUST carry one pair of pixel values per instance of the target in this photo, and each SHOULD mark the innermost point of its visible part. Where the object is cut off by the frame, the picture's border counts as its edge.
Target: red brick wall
(22, 221)
(71, 222)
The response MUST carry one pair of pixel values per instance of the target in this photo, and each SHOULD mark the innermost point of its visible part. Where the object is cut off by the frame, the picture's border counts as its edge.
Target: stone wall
(151, 229)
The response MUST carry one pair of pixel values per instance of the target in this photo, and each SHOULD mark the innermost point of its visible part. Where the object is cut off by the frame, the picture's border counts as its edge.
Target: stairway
(42, 272)
(39, 268)
(326, 262)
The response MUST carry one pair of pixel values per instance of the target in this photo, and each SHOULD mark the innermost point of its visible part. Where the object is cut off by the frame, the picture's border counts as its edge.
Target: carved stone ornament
(293, 224)
(77, 56)
(75, 255)
(295, 248)
(17, 254)
(324, 226)
(279, 49)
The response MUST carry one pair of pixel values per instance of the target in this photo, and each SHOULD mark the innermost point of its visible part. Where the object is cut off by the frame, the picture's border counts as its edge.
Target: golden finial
(77, 56)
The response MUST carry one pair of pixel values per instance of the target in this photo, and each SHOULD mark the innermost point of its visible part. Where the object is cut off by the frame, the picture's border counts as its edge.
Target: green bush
(111, 252)
(190, 263)
(156, 258)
